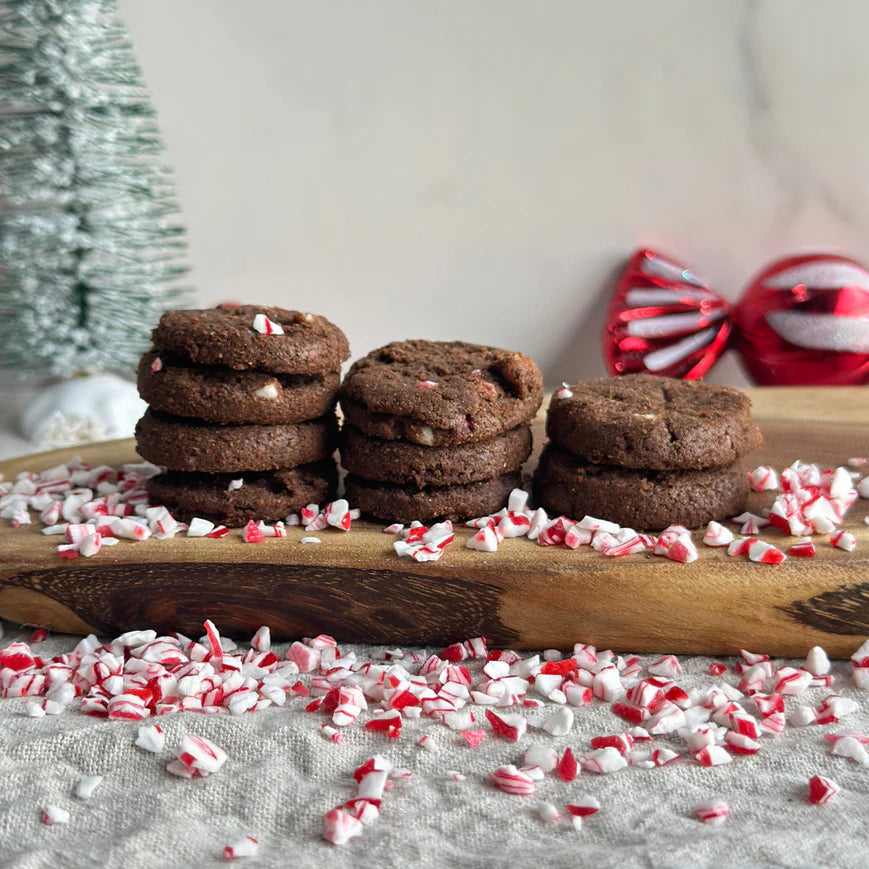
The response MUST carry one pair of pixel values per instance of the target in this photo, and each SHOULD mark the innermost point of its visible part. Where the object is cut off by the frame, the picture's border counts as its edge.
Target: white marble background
(479, 169)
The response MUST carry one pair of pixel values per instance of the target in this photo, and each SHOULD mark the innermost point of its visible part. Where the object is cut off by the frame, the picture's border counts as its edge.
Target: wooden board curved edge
(622, 607)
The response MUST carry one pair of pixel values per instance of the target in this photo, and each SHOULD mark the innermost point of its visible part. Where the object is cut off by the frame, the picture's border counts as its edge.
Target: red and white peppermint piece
(739, 743)
(218, 532)
(821, 790)
(603, 760)
(253, 533)
(156, 365)
(844, 540)
(682, 550)
(765, 553)
(582, 807)
(774, 723)
(803, 548)
(712, 755)
(151, 738)
(511, 726)
(512, 781)
(339, 826)
(667, 666)
(199, 527)
(201, 754)
(395, 528)
(717, 535)
(246, 847)
(852, 748)
(485, 540)
(265, 326)
(52, 815)
(763, 479)
(713, 812)
(337, 514)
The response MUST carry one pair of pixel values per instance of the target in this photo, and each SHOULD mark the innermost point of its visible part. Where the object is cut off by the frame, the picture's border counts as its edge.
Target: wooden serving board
(354, 587)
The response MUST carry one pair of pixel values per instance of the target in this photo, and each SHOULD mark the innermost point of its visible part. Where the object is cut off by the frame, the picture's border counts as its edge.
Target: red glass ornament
(804, 320)
(664, 320)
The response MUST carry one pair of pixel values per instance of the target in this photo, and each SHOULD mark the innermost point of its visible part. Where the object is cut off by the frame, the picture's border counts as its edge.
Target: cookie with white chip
(247, 337)
(171, 384)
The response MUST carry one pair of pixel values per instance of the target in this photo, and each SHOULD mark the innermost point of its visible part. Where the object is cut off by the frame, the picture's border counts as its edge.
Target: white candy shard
(85, 788)
(54, 815)
(151, 737)
(817, 662)
(559, 723)
(199, 527)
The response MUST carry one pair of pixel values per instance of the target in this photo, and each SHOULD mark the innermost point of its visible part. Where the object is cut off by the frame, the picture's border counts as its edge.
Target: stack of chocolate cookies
(241, 412)
(646, 452)
(436, 429)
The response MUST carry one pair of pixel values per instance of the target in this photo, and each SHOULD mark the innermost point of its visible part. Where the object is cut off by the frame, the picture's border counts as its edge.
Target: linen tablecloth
(282, 775)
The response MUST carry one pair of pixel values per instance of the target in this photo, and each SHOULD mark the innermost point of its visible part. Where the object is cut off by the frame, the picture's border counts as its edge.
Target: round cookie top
(228, 336)
(438, 393)
(645, 421)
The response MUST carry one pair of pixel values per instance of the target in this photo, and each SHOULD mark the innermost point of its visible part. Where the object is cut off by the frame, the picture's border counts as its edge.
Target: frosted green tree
(90, 250)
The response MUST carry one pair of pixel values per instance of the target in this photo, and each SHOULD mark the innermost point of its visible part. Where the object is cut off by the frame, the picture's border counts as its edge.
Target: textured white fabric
(282, 775)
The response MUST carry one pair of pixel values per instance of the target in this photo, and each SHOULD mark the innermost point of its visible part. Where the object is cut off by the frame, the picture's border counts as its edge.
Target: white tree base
(83, 409)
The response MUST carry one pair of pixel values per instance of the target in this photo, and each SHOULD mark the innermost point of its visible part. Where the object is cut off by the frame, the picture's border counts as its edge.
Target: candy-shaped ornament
(803, 320)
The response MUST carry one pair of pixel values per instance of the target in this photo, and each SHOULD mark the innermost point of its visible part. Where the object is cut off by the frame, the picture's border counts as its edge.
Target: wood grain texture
(524, 596)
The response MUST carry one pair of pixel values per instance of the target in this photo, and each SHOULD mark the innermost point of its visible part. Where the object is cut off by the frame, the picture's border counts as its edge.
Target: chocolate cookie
(190, 445)
(404, 504)
(644, 421)
(644, 500)
(269, 496)
(226, 336)
(440, 393)
(402, 463)
(218, 394)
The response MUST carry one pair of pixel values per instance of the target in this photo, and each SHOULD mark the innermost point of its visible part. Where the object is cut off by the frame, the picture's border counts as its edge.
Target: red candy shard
(252, 533)
(588, 806)
(567, 767)
(16, 656)
(821, 790)
(511, 726)
(561, 668)
(473, 737)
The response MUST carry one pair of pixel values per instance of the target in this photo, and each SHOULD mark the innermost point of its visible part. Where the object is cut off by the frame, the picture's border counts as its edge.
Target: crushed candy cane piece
(339, 826)
(52, 815)
(85, 787)
(246, 847)
(265, 326)
(717, 535)
(843, 540)
(151, 738)
(510, 780)
(821, 790)
(713, 812)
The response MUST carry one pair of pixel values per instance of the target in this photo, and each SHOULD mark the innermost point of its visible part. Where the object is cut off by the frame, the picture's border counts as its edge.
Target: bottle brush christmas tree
(90, 249)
